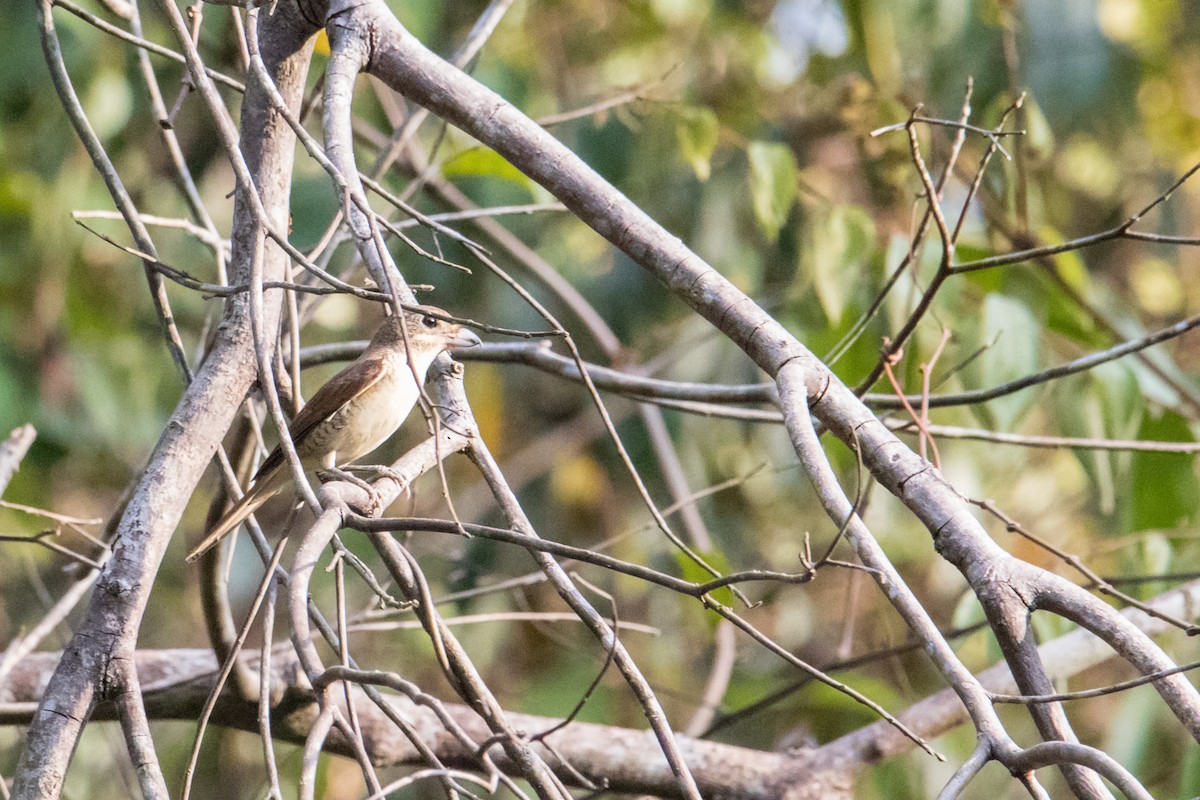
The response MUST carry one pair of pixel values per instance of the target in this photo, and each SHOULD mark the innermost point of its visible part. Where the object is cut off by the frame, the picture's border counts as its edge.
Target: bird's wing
(340, 390)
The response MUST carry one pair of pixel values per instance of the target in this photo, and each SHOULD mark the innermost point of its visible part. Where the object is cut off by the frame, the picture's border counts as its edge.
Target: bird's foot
(378, 472)
(370, 472)
(374, 504)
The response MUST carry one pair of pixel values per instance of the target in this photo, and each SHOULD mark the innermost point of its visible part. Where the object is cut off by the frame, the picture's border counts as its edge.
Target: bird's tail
(261, 492)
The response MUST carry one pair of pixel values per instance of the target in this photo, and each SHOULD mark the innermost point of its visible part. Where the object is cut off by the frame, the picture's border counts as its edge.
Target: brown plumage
(356, 411)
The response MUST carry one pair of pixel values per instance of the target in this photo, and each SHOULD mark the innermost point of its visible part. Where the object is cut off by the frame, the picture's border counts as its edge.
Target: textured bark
(177, 683)
(90, 670)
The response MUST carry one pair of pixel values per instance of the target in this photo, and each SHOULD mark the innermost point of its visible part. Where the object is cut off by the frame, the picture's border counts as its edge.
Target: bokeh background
(745, 129)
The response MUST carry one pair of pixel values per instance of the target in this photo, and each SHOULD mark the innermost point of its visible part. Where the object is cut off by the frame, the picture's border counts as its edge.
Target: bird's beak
(464, 338)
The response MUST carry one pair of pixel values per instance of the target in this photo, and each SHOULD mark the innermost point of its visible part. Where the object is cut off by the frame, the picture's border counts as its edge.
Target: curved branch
(1064, 657)
(108, 631)
(1059, 753)
(406, 65)
(1015, 635)
(454, 658)
(403, 63)
(177, 683)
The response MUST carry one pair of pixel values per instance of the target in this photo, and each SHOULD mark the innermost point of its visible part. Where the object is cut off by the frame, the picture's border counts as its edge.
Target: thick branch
(89, 670)
(177, 682)
(411, 69)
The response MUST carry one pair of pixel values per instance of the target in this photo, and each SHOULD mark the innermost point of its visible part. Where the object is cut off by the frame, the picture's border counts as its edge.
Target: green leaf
(897, 779)
(1065, 317)
(109, 103)
(557, 689)
(1083, 415)
(1104, 403)
(1121, 398)
(835, 246)
(1039, 135)
(697, 130)
(1189, 780)
(1154, 555)
(1164, 488)
(697, 574)
(487, 163)
(1009, 331)
(773, 185)
(1131, 736)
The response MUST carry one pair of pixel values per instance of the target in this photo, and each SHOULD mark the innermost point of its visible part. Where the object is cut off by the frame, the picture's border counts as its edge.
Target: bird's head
(425, 330)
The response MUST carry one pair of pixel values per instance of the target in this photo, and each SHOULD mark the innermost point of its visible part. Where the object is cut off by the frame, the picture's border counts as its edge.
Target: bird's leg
(374, 504)
(378, 472)
(375, 472)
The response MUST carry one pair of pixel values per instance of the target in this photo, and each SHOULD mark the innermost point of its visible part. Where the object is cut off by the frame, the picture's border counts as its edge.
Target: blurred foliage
(750, 138)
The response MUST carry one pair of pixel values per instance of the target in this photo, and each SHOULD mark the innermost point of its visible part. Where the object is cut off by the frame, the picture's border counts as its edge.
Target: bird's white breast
(383, 411)
(386, 408)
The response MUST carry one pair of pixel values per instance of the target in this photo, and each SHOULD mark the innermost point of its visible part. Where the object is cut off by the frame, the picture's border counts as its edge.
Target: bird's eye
(429, 322)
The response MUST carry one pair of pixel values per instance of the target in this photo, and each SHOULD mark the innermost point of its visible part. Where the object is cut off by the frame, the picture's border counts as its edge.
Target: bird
(356, 410)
